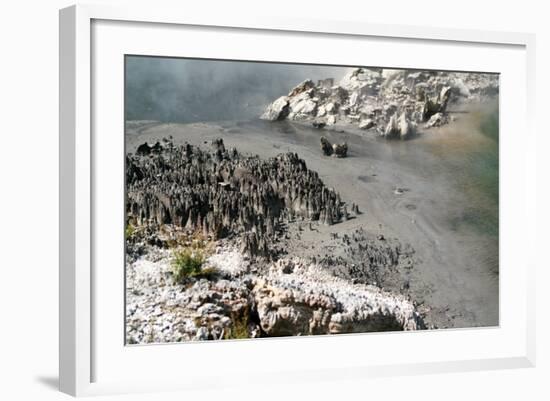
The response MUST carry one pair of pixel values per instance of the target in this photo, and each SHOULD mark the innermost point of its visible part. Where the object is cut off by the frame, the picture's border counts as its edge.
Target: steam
(190, 90)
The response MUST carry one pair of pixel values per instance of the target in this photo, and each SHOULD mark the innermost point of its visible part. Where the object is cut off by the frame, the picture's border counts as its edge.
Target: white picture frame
(83, 350)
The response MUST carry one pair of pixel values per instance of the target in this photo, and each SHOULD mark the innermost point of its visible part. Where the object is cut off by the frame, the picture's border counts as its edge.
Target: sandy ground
(455, 274)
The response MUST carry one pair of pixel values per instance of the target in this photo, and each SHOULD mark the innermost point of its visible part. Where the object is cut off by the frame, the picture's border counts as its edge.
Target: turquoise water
(463, 157)
(481, 178)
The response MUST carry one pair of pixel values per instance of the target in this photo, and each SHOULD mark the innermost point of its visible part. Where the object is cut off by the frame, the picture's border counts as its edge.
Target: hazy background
(189, 90)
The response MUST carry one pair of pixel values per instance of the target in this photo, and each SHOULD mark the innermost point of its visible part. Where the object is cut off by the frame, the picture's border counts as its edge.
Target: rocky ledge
(392, 102)
(288, 297)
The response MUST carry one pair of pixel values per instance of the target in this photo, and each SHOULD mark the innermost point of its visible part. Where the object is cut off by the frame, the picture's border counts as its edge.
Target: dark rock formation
(221, 192)
(318, 124)
(337, 150)
(146, 149)
(366, 259)
(434, 105)
(326, 146)
(340, 149)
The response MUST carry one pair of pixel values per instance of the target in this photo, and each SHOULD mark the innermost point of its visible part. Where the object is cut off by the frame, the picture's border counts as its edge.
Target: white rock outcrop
(295, 298)
(287, 297)
(399, 127)
(278, 110)
(369, 97)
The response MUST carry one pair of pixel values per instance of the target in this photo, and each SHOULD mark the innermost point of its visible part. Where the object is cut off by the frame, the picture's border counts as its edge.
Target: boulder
(326, 147)
(340, 149)
(437, 120)
(392, 129)
(321, 111)
(318, 124)
(302, 107)
(325, 83)
(406, 127)
(339, 94)
(399, 127)
(301, 87)
(436, 105)
(146, 149)
(444, 97)
(362, 81)
(278, 110)
(143, 149)
(366, 123)
(331, 108)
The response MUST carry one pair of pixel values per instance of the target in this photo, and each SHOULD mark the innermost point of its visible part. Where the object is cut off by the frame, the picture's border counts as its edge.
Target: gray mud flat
(417, 195)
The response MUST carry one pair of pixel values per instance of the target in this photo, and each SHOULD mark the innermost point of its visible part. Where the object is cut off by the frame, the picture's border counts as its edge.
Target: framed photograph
(295, 199)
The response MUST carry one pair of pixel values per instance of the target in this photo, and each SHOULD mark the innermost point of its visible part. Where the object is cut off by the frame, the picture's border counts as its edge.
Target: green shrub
(129, 231)
(189, 263)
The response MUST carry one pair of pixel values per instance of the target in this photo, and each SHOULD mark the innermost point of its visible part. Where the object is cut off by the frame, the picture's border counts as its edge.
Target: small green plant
(129, 231)
(188, 263)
